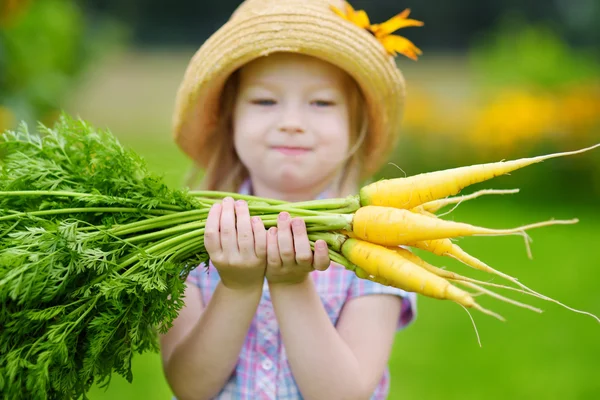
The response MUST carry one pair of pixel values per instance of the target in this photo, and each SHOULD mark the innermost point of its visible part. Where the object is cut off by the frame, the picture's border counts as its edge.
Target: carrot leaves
(78, 299)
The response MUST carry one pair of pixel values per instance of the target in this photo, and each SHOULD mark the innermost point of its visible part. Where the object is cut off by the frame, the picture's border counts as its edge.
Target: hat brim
(310, 31)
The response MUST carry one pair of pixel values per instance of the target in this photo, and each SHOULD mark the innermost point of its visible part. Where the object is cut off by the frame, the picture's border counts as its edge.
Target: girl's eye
(263, 102)
(323, 103)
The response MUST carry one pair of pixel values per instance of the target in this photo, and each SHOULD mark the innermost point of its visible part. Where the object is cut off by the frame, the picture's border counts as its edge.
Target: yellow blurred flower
(580, 110)
(419, 110)
(393, 44)
(513, 118)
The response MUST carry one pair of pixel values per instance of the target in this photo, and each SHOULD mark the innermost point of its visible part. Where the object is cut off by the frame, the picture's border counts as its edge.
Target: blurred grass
(549, 356)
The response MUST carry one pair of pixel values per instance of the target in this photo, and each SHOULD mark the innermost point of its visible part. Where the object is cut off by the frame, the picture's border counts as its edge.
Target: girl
(291, 100)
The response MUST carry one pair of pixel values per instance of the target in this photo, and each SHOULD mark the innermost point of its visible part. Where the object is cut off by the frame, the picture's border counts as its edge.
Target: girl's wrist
(243, 287)
(273, 284)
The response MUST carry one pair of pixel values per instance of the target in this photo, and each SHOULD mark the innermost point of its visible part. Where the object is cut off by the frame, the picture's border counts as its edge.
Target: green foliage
(518, 53)
(74, 156)
(44, 50)
(79, 298)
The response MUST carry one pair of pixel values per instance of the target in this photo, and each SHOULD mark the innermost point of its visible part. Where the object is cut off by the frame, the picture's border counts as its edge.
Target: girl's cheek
(334, 127)
(250, 127)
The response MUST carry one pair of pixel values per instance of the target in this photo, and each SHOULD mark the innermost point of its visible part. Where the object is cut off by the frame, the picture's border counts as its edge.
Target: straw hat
(260, 27)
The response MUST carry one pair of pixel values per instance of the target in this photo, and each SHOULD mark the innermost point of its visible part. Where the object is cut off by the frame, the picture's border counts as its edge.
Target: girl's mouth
(291, 151)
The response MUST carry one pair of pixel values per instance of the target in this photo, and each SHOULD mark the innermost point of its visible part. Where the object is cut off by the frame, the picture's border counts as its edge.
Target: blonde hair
(225, 171)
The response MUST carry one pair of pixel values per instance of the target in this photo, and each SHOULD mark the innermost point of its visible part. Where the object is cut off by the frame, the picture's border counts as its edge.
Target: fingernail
(283, 216)
(256, 220)
(273, 231)
(321, 245)
(227, 199)
(239, 202)
(297, 223)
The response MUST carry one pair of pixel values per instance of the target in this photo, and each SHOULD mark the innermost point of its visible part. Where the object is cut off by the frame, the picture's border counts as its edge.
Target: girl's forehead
(292, 66)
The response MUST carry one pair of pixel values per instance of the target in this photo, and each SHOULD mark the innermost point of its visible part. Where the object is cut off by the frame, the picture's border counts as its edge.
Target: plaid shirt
(263, 370)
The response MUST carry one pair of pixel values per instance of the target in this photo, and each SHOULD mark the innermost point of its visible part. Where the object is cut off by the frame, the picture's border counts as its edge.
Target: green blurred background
(498, 80)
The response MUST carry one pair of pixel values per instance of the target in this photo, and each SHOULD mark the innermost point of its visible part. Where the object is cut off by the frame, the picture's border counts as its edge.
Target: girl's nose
(291, 119)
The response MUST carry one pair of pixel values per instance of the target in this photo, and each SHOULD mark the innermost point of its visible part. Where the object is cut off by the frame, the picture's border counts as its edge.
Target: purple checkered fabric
(263, 371)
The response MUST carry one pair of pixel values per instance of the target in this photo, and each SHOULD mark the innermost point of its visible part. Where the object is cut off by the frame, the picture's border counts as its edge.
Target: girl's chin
(294, 179)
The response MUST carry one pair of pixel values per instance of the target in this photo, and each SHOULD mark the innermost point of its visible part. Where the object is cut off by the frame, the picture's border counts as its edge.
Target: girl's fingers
(273, 257)
(285, 239)
(321, 258)
(245, 235)
(228, 229)
(304, 256)
(212, 239)
(260, 238)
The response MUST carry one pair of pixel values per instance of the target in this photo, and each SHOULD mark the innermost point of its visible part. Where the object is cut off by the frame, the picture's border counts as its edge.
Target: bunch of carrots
(95, 249)
(395, 215)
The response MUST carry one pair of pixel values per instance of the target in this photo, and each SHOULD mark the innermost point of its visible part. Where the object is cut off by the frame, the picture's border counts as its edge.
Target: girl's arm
(203, 347)
(201, 350)
(329, 363)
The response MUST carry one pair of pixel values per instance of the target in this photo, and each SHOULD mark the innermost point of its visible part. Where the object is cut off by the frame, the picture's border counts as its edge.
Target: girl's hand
(289, 256)
(236, 244)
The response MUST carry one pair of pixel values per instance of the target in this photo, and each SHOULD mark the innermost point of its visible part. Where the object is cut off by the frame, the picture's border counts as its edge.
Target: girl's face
(291, 124)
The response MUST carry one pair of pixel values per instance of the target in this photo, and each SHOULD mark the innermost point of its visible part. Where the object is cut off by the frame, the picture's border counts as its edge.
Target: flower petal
(405, 13)
(395, 23)
(339, 12)
(395, 44)
(361, 19)
(349, 11)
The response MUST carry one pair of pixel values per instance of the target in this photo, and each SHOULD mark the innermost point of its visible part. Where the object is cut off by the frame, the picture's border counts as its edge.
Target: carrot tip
(489, 312)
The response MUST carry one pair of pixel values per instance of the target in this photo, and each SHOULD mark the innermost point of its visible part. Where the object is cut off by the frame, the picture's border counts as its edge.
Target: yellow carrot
(435, 205)
(399, 272)
(415, 190)
(361, 273)
(393, 226)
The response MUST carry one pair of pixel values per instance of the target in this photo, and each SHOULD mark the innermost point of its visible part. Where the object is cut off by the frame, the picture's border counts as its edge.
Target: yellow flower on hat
(393, 44)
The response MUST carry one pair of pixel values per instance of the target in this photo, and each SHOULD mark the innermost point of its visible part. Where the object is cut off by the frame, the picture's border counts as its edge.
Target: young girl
(291, 100)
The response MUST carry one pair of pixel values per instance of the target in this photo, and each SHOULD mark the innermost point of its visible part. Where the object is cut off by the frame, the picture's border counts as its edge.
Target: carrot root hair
(474, 326)
(489, 312)
(499, 296)
(475, 263)
(521, 229)
(435, 205)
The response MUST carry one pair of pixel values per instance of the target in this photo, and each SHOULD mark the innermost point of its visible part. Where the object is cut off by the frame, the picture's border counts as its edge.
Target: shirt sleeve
(365, 287)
